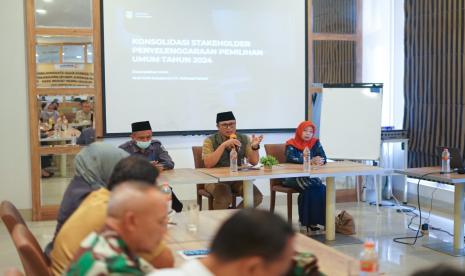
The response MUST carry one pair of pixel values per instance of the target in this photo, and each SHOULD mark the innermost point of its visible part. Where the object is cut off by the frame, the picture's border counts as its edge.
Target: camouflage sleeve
(85, 260)
(207, 147)
(87, 263)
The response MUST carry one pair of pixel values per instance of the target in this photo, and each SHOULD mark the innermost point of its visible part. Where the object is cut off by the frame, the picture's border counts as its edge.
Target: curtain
(434, 74)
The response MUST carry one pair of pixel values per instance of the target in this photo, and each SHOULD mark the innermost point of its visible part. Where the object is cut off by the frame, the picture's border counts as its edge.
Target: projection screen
(177, 63)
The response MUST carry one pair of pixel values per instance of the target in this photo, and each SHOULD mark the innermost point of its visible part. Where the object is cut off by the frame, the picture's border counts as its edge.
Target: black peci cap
(225, 116)
(140, 126)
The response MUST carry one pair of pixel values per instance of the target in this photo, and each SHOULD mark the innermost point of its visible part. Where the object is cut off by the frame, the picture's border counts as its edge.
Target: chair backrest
(277, 150)
(198, 161)
(32, 258)
(10, 215)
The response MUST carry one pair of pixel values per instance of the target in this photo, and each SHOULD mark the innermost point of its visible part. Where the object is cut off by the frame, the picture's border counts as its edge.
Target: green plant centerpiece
(269, 161)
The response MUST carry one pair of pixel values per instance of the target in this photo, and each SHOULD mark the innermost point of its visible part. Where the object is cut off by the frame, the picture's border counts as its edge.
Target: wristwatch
(257, 148)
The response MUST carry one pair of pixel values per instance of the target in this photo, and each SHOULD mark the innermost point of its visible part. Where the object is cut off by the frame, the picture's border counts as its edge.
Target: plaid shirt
(106, 254)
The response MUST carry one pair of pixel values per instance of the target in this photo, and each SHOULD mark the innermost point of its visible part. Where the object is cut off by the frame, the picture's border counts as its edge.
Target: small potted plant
(269, 161)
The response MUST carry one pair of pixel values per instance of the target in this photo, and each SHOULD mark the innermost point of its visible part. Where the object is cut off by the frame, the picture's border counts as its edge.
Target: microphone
(234, 136)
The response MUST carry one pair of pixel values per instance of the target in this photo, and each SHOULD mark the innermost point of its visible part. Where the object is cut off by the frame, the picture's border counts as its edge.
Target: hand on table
(157, 165)
(256, 140)
(317, 161)
(232, 143)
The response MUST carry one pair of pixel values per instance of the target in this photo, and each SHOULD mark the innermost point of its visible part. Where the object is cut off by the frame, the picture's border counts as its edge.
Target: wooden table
(458, 181)
(330, 261)
(62, 139)
(186, 176)
(80, 125)
(62, 136)
(287, 170)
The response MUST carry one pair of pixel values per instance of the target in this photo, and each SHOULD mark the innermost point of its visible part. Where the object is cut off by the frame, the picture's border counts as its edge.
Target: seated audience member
(93, 166)
(215, 153)
(85, 115)
(50, 111)
(87, 136)
(440, 270)
(312, 197)
(142, 144)
(251, 242)
(45, 164)
(90, 216)
(135, 223)
(56, 104)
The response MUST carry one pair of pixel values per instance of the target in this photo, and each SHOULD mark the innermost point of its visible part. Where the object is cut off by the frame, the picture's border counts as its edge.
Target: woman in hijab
(50, 111)
(93, 167)
(312, 195)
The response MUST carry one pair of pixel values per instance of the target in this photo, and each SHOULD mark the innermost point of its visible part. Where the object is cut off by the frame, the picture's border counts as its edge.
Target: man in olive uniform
(215, 153)
(142, 144)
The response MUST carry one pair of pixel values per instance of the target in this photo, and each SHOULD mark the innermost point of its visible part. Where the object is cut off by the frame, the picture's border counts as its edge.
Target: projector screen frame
(196, 132)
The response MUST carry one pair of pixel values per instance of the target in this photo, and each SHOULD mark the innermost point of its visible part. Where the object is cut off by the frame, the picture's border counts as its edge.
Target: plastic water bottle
(233, 160)
(445, 161)
(51, 122)
(73, 139)
(64, 125)
(306, 156)
(166, 190)
(369, 260)
(57, 129)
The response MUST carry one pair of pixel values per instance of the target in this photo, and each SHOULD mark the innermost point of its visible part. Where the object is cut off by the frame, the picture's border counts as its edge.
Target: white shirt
(189, 268)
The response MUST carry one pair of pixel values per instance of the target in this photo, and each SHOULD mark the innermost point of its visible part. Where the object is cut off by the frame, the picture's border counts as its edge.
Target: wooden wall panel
(334, 16)
(334, 61)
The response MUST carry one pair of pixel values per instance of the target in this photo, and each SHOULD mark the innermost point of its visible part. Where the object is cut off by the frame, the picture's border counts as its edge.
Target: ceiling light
(41, 11)
(47, 1)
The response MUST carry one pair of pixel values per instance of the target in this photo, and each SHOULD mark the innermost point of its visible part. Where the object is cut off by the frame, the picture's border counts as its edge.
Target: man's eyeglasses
(227, 125)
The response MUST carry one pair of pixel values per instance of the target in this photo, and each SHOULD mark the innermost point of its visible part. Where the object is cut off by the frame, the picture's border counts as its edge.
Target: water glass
(193, 217)
(353, 268)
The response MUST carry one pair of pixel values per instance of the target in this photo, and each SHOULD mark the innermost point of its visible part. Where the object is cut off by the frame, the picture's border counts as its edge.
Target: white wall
(15, 168)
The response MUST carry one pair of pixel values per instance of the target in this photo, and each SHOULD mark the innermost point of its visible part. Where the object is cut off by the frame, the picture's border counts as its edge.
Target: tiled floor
(395, 259)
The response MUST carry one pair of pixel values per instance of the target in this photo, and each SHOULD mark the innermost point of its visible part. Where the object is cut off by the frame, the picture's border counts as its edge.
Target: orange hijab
(297, 142)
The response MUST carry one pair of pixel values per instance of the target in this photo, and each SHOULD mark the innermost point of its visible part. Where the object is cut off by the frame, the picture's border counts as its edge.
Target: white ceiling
(64, 13)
